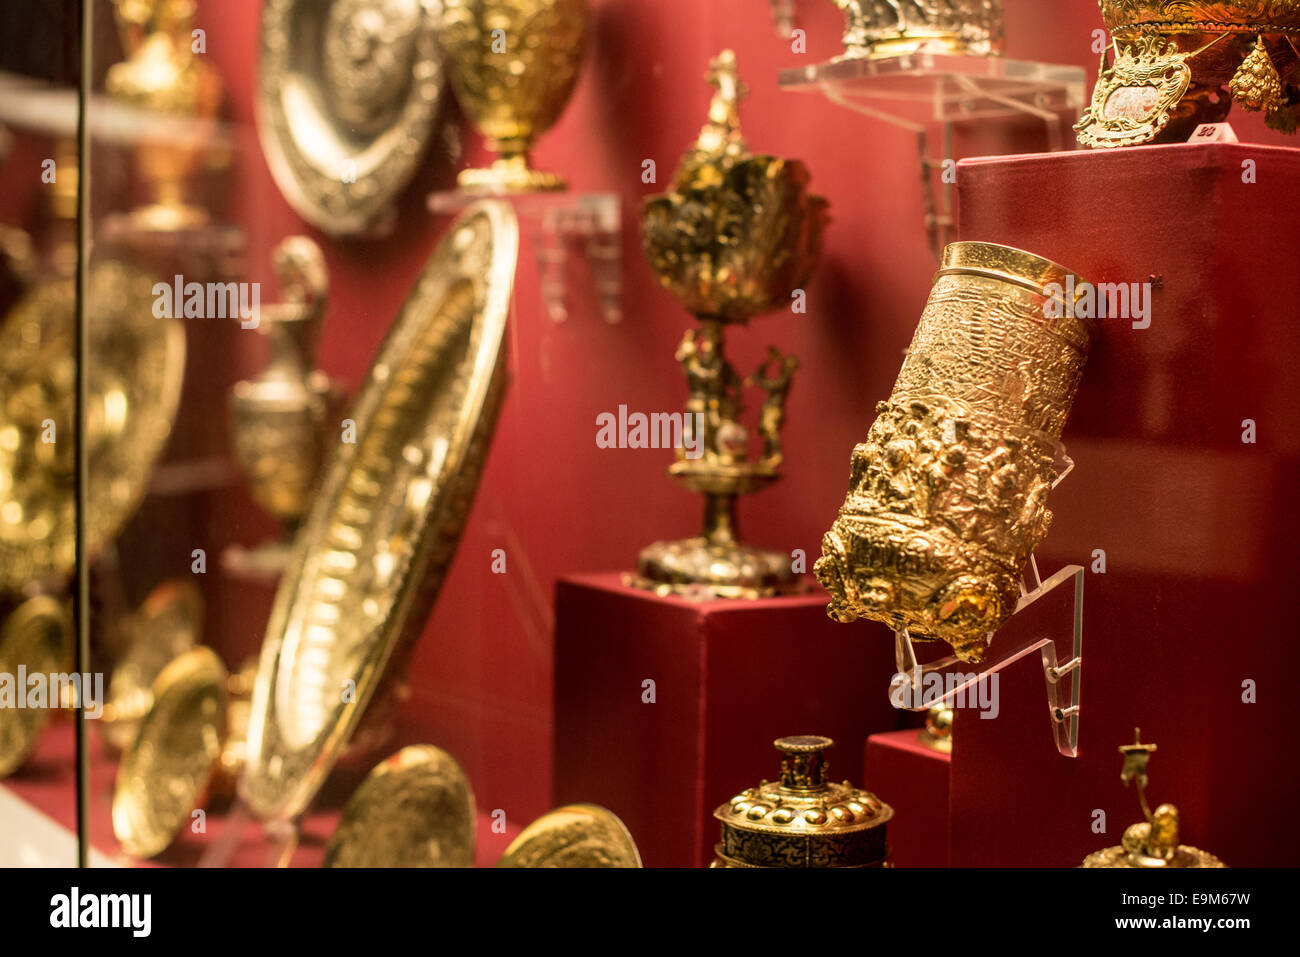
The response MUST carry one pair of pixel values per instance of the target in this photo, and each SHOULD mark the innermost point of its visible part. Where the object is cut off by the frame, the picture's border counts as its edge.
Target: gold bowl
(880, 28)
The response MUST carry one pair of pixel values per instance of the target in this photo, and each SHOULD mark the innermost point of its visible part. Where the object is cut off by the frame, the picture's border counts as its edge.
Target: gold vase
(948, 494)
(735, 237)
(1173, 66)
(879, 28)
(803, 820)
(512, 65)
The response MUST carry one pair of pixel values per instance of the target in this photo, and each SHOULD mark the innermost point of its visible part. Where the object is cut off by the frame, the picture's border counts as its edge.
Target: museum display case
(351, 494)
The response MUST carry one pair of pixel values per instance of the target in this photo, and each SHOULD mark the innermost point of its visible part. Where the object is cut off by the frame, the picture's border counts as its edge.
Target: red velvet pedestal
(912, 778)
(1190, 628)
(729, 678)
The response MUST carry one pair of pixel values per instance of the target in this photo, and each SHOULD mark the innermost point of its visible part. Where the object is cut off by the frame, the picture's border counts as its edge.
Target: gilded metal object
(1153, 842)
(37, 638)
(948, 494)
(512, 65)
(895, 27)
(134, 390)
(938, 728)
(737, 236)
(802, 820)
(165, 773)
(168, 624)
(576, 835)
(415, 809)
(163, 74)
(1174, 66)
(348, 99)
(282, 418)
(382, 530)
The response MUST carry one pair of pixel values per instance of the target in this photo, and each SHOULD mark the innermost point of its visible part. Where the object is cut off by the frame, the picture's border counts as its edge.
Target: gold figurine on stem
(1153, 842)
(736, 236)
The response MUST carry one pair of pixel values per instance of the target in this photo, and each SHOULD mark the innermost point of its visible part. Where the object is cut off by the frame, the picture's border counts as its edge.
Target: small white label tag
(1213, 133)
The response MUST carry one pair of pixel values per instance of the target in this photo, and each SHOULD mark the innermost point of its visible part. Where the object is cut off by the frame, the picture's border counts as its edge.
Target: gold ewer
(948, 493)
(280, 417)
(512, 65)
(737, 236)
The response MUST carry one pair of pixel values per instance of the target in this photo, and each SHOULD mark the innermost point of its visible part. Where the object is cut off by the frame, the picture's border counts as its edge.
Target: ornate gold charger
(348, 98)
(136, 366)
(414, 809)
(36, 636)
(576, 835)
(165, 772)
(382, 530)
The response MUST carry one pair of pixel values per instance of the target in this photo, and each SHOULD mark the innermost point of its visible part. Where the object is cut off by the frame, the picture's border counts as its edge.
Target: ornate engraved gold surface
(895, 27)
(168, 624)
(736, 236)
(163, 75)
(802, 820)
(415, 809)
(165, 772)
(948, 494)
(136, 366)
(1152, 843)
(1219, 52)
(382, 530)
(348, 98)
(281, 417)
(37, 635)
(512, 65)
(576, 835)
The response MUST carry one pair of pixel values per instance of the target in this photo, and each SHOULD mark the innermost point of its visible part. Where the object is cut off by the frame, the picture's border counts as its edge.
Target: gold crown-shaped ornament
(803, 820)
(1173, 66)
(879, 28)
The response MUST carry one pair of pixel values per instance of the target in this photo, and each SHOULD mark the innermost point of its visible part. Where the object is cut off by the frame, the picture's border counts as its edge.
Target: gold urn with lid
(802, 820)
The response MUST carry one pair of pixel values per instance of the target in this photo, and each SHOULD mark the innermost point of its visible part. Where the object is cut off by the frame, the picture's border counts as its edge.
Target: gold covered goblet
(512, 65)
(736, 236)
(948, 494)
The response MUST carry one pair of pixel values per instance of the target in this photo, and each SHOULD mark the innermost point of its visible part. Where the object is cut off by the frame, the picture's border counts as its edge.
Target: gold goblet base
(168, 218)
(696, 566)
(509, 174)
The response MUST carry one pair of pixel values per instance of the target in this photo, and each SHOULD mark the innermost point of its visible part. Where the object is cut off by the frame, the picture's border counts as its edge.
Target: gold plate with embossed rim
(135, 371)
(165, 772)
(414, 809)
(349, 93)
(575, 835)
(382, 530)
(37, 635)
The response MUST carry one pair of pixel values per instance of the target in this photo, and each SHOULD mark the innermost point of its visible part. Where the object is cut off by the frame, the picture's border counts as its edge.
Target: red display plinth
(1182, 505)
(912, 778)
(728, 678)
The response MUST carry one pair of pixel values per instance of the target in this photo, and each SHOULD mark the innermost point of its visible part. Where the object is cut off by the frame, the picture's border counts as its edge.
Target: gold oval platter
(37, 636)
(348, 99)
(576, 835)
(415, 809)
(136, 367)
(382, 530)
(165, 773)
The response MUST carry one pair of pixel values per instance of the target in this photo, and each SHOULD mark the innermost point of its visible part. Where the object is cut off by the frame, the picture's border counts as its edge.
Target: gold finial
(720, 136)
(804, 765)
(1136, 756)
